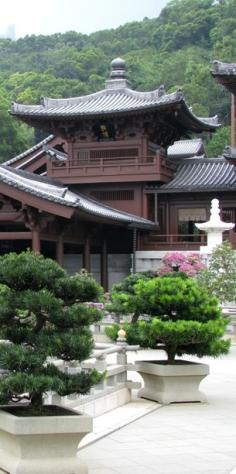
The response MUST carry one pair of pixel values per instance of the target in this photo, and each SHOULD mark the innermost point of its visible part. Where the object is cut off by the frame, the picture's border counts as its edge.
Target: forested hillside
(175, 49)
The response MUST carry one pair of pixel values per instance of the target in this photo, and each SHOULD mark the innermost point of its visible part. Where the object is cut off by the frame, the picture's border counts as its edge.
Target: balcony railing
(168, 242)
(136, 168)
(172, 241)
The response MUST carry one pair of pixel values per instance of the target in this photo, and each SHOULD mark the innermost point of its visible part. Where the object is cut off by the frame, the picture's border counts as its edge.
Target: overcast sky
(86, 16)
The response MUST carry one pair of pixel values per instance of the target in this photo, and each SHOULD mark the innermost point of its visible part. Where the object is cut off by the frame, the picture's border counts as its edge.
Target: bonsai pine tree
(181, 317)
(123, 296)
(42, 317)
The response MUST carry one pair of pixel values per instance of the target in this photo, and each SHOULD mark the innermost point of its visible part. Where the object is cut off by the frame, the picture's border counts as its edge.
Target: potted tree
(43, 319)
(181, 317)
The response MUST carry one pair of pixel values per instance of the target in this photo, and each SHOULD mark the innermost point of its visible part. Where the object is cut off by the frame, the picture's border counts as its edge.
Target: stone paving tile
(103, 471)
(179, 438)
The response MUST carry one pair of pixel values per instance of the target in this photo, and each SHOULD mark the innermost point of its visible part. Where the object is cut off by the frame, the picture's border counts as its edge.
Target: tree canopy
(175, 49)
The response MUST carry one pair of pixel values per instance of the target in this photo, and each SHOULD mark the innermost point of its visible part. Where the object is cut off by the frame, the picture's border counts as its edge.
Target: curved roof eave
(112, 103)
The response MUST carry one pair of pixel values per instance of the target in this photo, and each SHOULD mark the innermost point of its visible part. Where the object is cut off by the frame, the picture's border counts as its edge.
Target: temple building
(121, 178)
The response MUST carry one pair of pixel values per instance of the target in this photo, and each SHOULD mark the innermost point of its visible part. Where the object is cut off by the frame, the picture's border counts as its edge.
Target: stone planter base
(167, 383)
(42, 445)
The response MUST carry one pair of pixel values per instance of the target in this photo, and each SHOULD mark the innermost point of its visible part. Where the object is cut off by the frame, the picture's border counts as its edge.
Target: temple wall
(119, 266)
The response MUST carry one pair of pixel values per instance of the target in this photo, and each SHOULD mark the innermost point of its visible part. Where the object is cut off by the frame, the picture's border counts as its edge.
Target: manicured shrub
(177, 315)
(42, 317)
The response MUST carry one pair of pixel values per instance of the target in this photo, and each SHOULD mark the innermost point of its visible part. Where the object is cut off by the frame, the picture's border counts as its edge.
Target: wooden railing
(136, 168)
(156, 241)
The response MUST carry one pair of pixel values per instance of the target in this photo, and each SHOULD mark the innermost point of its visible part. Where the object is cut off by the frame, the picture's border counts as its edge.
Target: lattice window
(117, 195)
(83, 155)
(113, 153)
(86, 155)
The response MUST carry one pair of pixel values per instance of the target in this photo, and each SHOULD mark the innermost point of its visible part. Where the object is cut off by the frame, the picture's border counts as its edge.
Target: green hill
(175, 49)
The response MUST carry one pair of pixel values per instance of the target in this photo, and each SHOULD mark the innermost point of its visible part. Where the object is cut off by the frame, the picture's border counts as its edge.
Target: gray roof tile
(206, 174)
(111, 101)
(105, 101)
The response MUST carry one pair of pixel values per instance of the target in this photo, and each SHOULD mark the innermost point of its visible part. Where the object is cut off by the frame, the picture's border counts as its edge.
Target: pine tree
(42, 318)
(177, 315)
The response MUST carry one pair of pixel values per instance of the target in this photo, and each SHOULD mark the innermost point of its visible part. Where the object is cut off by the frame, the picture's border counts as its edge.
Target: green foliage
(43, 315)
(180, 315)
(218, 141)
(14, 136)
(220, 277)
(174, 49)
(123, 296)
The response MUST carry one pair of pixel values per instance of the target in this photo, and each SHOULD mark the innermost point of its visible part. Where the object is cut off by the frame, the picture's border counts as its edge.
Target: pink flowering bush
(191, 263)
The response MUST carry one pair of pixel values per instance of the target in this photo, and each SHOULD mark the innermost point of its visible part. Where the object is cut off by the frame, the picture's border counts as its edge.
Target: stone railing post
(121, 357)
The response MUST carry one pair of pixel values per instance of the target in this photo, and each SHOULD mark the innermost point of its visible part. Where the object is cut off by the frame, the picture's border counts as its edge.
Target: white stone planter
(166, 383)
(42, 445)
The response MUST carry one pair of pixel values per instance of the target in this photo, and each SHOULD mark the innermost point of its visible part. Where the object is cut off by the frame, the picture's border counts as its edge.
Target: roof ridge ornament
(161, 90)
(118, 75)
(118, 68)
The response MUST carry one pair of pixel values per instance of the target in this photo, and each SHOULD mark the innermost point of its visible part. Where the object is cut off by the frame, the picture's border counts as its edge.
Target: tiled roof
(185, 148)
(108, 102)
(53, 191)
(27, 152)
(105, 101)
(206, 174)
(116, 98)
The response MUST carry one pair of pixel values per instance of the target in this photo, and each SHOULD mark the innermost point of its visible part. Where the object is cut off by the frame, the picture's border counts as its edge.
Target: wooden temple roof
(55, 192)
(117, 99)
(201, 174)
(225, 74)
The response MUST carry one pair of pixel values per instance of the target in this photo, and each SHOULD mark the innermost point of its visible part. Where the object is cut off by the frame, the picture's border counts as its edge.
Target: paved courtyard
(179, 438)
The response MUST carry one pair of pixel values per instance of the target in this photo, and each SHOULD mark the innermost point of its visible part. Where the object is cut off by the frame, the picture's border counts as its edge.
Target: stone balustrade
(113, 391)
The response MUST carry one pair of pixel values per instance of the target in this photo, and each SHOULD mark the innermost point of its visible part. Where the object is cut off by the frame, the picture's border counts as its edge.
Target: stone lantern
(214, 228)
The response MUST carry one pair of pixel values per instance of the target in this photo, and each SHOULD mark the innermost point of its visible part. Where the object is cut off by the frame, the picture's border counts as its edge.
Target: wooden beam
(15, 235)
(9, 216)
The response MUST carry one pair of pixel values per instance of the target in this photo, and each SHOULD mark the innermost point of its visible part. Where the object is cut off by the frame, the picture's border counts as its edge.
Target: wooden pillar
(155, 208)
(167, 217)
(144, 204)
(36, 247)
(104, 266)
(60, 250)
(233, 120)
(134, 249)
(87, 255)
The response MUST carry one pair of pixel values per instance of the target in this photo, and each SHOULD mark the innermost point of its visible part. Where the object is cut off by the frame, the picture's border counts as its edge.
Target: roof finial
(118, 78)
(118, 69)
